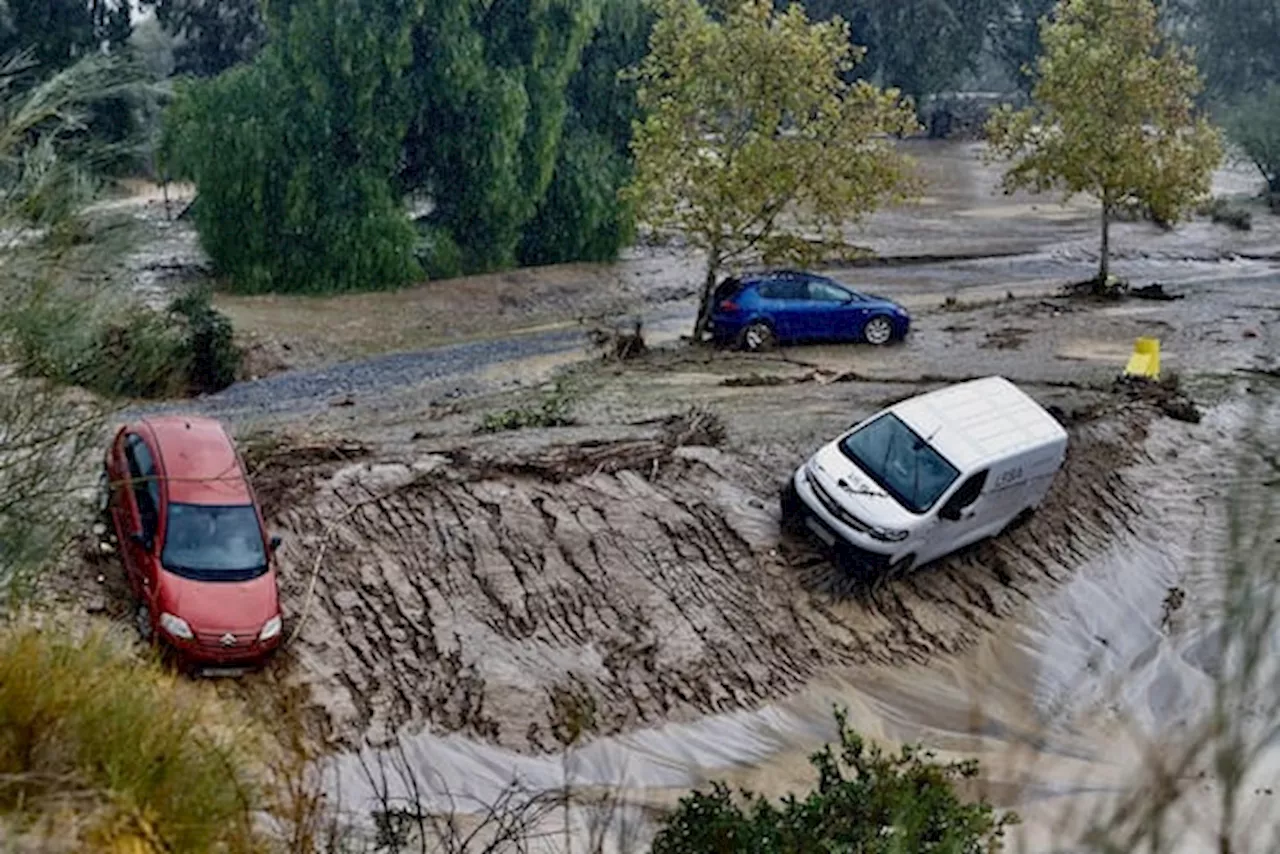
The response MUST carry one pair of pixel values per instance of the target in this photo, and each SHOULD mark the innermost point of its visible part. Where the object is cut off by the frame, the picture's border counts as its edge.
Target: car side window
(783, 289)
(827, 292)
(966, 494)
(146, 485)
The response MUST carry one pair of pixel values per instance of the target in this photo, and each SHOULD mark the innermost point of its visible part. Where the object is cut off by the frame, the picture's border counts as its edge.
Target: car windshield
(905, 465)
(209, 543)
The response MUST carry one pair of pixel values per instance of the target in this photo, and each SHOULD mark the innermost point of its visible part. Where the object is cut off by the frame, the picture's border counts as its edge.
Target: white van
(927, 476)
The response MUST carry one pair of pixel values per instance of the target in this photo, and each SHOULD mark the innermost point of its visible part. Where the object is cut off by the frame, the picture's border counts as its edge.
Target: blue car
(757, 311)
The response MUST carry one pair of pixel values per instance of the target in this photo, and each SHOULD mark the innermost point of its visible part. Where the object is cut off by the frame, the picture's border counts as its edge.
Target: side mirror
(950, 512)
(275, 541)
(141, 539)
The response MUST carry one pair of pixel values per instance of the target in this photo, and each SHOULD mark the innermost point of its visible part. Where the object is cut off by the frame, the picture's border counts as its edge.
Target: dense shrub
(582, 218)
(293, 155)
(865, 801)
(130, 351)
(84, 723)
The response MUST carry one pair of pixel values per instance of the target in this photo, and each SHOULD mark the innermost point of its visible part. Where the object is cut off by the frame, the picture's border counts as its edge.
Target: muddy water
(1062, 704)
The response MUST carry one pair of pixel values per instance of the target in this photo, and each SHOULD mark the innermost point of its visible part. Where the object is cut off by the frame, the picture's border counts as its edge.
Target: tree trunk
(708, 290)
(1104, 266)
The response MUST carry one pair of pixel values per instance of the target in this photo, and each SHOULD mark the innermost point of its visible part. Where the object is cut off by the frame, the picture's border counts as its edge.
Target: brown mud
(480, 589)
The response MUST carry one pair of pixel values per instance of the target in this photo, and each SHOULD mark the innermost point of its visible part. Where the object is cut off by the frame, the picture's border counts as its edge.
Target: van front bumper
(803, 513)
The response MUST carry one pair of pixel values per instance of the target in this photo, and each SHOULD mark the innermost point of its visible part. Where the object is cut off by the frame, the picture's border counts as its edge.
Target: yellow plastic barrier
(1145, 361)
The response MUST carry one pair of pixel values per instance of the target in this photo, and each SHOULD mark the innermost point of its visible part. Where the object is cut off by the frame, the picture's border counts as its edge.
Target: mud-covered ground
(524, 589)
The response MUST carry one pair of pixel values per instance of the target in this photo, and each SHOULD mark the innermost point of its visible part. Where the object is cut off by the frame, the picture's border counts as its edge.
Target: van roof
(976, 423)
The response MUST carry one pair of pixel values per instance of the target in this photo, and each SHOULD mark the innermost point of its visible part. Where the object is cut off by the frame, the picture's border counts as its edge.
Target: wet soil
(480, 590)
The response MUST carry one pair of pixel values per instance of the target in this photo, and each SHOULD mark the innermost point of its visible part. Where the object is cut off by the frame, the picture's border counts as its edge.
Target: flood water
(1064, 706)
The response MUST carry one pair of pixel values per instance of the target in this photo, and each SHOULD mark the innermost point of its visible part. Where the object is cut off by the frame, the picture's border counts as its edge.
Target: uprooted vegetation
(642, 574)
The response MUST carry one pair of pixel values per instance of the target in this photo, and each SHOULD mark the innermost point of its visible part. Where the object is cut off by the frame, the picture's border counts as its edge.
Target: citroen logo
(228, 639)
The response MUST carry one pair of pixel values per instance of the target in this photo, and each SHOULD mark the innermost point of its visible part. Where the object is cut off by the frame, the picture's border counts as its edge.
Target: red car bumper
(214, 649)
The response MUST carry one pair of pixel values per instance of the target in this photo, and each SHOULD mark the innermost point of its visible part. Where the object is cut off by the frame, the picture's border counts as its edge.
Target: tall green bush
(490, 82)
(293, 156)
(581, 217)
(1253, 124)
(865, 801)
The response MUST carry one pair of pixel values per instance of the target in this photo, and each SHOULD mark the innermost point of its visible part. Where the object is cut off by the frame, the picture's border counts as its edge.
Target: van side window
(965, 495)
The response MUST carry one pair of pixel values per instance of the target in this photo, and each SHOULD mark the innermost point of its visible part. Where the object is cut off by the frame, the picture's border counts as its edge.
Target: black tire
(878, 331)
(902, 568)
(757, 337)
(791, 509)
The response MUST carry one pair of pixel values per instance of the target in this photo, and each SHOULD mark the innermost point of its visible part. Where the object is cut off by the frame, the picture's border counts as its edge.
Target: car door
(144, 500)
(834, 313)
(785, 301)
(960, 520)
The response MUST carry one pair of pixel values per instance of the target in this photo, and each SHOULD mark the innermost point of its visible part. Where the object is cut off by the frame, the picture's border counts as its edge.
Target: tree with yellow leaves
(1114, 117)
(753, 143)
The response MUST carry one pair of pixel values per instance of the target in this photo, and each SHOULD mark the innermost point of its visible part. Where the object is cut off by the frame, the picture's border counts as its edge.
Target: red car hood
(217, 606)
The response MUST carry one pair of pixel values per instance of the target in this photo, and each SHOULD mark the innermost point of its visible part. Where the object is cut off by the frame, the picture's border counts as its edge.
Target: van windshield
(902, 463)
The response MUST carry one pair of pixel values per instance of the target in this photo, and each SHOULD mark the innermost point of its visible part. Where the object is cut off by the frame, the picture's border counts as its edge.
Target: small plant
(1222, 212)
(866, 800)
(552, 411)
(214, 359)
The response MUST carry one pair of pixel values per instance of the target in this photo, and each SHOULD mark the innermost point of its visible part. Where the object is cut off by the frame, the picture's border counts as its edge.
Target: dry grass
(100, 749)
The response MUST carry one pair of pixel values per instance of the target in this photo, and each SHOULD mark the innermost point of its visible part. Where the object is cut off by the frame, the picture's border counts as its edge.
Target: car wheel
(758, 336)
(142, 620)
(102, 497)
(878, 331)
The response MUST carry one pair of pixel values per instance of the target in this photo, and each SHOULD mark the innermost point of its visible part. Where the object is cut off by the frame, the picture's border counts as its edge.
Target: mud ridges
(647, 583)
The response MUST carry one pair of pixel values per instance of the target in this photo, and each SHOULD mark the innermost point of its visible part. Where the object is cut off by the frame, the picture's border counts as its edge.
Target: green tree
(920, 46)
(865, 801)
(581, 217)
(1015, 38)
(1254, 125)
(214, 34)
(1238, 45)
(58, 32)
(490, 80)
(294, 155)
(753, 142)
(1114, 117)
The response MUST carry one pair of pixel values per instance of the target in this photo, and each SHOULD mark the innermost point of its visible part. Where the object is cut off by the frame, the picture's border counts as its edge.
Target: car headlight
(889, 535)
(176, 626)
(270, 628)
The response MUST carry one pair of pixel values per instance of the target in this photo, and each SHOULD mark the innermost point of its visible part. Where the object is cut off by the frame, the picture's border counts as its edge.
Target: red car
(192, 540)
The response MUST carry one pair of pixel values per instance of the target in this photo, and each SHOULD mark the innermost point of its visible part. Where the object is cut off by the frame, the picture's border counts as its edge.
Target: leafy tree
(57, 32)
(215, 34)
(1015, 38)
(581, 217)
(1114, 117)
(1254, 125)
(294, 155)
(865, 801)
(920, 46)
(1238, 45)
(753, 140)
(490, 81)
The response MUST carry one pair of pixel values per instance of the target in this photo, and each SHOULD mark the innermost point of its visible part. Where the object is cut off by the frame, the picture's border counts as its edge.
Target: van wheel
(1021, 519)
(757, 337)
(790, 505)
(903, 567)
